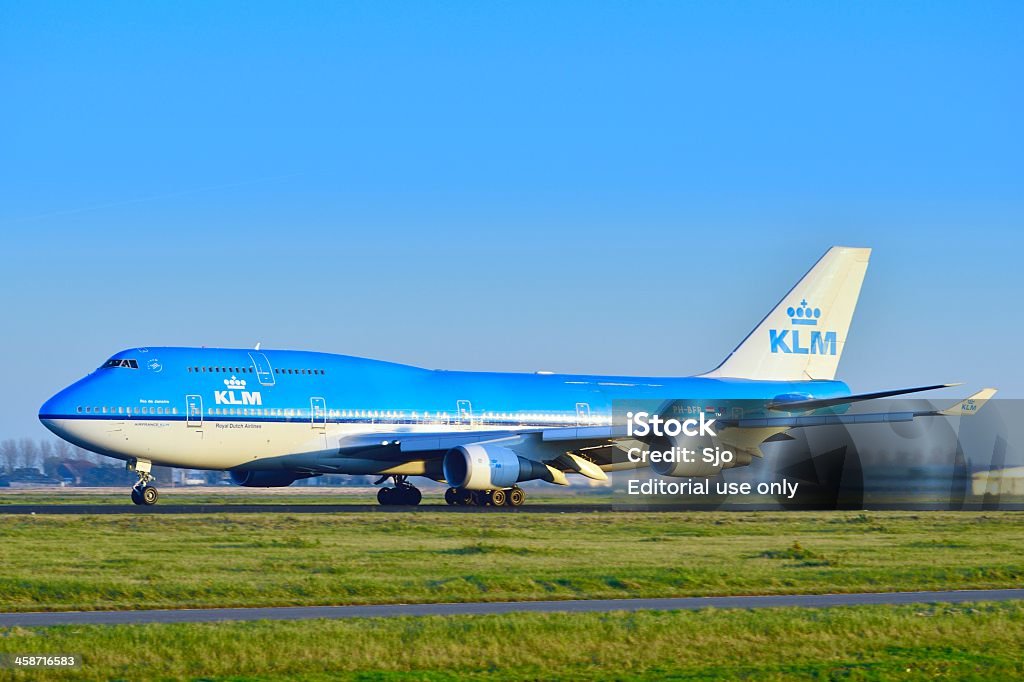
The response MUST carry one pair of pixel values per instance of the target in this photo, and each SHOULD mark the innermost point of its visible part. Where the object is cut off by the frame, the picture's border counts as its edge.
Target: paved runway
(528, 508)
(290, 508)
(484, 608)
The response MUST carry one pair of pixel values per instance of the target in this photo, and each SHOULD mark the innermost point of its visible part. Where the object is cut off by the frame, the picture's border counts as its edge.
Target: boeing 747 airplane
(272, 417)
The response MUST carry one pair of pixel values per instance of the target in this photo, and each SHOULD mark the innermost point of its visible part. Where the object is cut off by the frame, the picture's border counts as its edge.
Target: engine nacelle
(265, 479)
(486, 467)
(702, 464)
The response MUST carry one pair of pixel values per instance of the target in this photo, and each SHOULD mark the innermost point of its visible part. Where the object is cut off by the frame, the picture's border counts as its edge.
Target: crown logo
(234, 383)
(804, 315)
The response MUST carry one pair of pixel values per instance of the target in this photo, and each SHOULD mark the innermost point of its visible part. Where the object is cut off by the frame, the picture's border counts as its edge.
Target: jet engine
(266, 479)
(486, 467)
(704, 455)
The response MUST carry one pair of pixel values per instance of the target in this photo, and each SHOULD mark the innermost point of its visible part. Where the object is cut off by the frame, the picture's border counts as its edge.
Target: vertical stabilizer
(803, 337)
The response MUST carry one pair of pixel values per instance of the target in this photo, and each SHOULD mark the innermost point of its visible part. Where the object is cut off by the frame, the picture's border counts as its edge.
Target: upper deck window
(117, 362)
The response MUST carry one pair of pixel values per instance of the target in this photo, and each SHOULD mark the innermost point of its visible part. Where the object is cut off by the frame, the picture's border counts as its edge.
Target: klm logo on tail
(803, 341)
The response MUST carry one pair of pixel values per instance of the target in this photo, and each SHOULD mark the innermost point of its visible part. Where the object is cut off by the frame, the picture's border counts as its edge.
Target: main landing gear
(508, 497)
(143, 492)
(404, 493)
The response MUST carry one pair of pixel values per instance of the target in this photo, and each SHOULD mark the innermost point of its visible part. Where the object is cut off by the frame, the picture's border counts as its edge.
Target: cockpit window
(116, 362)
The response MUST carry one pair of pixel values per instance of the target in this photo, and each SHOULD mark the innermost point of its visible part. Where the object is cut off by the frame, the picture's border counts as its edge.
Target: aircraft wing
(590, 450)
(555, 447)
(413, 443)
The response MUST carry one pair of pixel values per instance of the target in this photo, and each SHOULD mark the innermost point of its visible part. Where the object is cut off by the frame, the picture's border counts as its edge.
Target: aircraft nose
(55, 409)
(49, 407)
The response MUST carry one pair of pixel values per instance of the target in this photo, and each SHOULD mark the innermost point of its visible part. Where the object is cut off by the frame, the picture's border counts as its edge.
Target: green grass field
(980, 641)
(146, 561)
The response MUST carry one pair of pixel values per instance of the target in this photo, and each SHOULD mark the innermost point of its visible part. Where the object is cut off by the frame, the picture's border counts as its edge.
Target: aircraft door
(318, 413)
(264, 372)
(582, 414)
(194, 411)
(464, 409)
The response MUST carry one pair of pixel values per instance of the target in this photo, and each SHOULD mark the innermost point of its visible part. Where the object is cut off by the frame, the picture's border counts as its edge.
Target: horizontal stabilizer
(964, 408)
(826, 420)
(807, 405)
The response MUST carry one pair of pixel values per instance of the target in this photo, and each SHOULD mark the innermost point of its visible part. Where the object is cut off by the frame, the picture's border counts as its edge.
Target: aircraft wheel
(498, 497)
(136, 496)
(411, 496)
(149, 495)
(451, 496)
(384, 496)
(516, 497)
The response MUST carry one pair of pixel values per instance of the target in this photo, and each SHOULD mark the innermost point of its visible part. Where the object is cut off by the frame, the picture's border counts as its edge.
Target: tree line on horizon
(45, 458)
(31, 453)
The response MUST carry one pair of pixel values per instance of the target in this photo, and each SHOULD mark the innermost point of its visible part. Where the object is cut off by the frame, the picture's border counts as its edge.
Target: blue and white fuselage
(212, 408)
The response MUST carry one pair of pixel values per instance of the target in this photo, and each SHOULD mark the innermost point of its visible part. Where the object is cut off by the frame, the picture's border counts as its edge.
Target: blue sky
(582, 187)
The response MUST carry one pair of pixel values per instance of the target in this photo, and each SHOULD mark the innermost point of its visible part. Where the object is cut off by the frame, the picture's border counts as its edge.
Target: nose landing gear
(404, 493)
(144, 492)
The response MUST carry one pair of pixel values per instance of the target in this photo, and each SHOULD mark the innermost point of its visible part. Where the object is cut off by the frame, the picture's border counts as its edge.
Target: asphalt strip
(43, 619)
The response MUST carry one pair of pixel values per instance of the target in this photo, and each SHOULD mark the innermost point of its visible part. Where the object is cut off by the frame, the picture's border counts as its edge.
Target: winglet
(971, 405)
